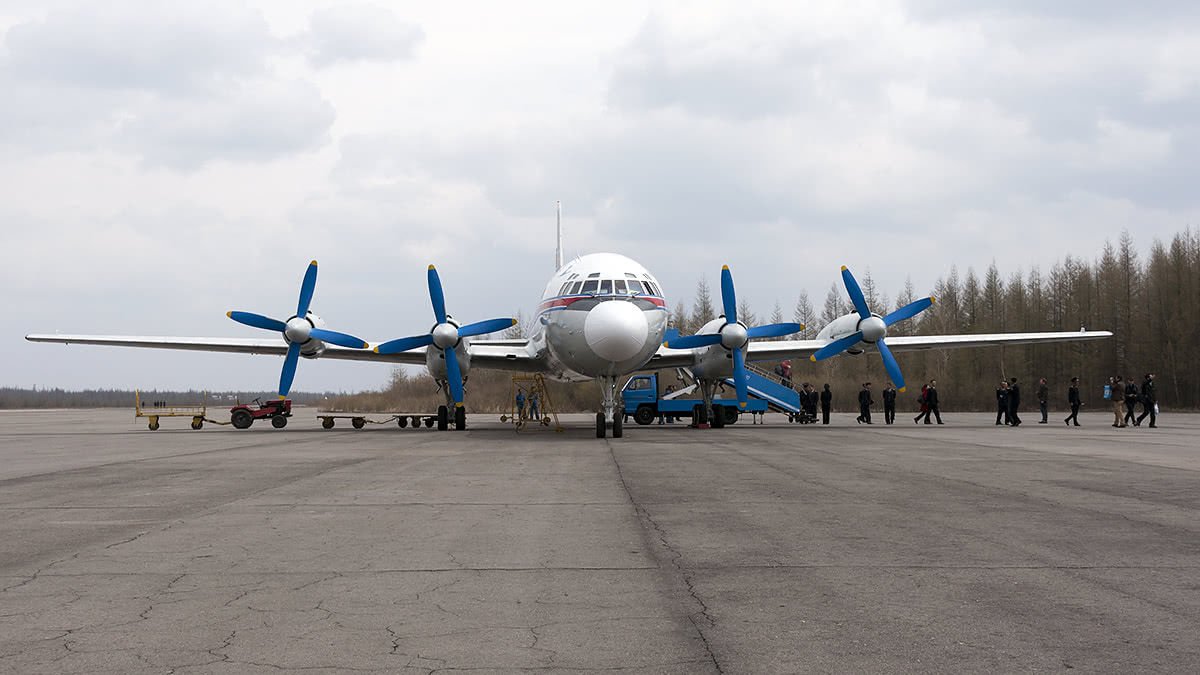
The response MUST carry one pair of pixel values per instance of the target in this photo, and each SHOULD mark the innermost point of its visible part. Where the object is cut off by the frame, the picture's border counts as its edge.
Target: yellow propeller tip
(229, 314)
(932, 299)
(844, 268)
(667, 345)
(813, 358)
(514, 322)
(458, 405)
(313, 263)
(724, 267)
(902, 389)
(431, 267)
(283, 397)
(803, 326)
(376, 350)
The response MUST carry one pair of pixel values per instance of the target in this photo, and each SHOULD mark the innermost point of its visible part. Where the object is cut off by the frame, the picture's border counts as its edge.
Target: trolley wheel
(443, 418)
(504, 418)
(428, 422)
(546, 421)
(402, 422)
(241, 419)
(618, 427)
(327, 422)
(460, 418)
(358, 422)
(197, 423)
(599, 425)
(279, 421)
(153, 425)
(644, 414)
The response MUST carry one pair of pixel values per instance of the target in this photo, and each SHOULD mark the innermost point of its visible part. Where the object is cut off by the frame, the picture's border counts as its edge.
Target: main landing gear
(608, 409)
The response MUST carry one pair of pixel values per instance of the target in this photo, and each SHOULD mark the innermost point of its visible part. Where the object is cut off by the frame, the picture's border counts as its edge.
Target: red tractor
(242, 416)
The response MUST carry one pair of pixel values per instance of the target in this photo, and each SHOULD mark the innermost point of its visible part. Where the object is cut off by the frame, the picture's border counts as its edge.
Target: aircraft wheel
(644, 414)
(443, 418)
(327, 423)
(279, 421)
(599, 425)
(718, 416)
(460, 418)
(358, 422)
(241, 419)
(618, 426)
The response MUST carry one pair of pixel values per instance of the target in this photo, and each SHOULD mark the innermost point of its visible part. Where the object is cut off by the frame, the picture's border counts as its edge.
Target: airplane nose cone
(616, 330)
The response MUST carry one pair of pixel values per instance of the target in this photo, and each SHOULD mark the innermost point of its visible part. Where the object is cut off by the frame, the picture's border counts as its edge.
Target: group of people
(1125, 396)
(927, 401)
(532, 401)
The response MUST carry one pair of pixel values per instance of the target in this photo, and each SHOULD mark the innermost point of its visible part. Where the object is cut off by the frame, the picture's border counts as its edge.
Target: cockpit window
(593, 275)
(619, 287)
(605, 287)
(635, 286)
(563, 290)
(630, 275)
(575, 287)
(650, 288)
(590, 285)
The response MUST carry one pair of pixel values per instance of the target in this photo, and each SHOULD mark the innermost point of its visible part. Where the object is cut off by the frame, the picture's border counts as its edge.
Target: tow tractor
(278, 411)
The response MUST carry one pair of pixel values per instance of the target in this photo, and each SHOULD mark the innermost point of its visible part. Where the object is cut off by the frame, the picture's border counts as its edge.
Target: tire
(618, 426)
(241, 419)
(731, 416)
(327, 423)
(460, 418)
(358, 422)
(645, 413)
(443, 418)
(718, 416)
(153, 426)
(197, 424)
(402, 422)
(428, 422)
(599, 425)
(279, 421)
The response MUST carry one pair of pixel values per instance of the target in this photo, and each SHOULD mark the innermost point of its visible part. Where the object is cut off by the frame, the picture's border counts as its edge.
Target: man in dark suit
(931, 404)
(1149, 402)
(1014, 402)
(826, 404)
(1043, 393)
(1002, 403)
(1073, 399)
(889, 403)
(864, 404)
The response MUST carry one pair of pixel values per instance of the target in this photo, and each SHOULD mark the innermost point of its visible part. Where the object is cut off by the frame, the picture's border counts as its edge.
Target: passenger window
(575, 287)
(619, 287)
(605, 287)
(635, 286)
(590, 285)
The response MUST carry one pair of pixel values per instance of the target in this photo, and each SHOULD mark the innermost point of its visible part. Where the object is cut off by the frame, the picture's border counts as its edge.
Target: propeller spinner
(872, 328)
(297, 330)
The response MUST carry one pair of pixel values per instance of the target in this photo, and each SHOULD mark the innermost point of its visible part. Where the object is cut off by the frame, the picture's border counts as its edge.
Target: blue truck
(644, 402)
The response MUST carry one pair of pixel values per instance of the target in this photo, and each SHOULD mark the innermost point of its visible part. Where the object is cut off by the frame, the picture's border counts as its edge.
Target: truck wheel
(460, 418)
(718, 416)
(402, 422)
(618, 427)
(327, 423)
(241, 419)
(731, 416)
(645, 412)
(599, 425)
(279, 421)
(358, 422)
(443, 418)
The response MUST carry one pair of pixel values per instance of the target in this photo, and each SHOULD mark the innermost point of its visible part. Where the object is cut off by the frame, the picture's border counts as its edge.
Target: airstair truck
(643, 401)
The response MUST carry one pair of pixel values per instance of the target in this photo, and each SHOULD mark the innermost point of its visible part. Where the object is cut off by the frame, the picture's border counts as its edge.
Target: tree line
(19, 398)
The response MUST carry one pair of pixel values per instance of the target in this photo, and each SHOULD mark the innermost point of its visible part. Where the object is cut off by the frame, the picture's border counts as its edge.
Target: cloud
(354, 33)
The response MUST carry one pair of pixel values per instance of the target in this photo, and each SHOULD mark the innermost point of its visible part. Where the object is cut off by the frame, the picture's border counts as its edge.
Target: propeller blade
(257, 321)
(856, 294)
(739, 377)
(908, 311)
(485, 327)
(340, 339)
(404, 344)
(728, 296)
(436, 296)
(289, 369)
(306, 289)
(454, 377)
(774, 330)
(889, 362)
(836, 347)
(694, 341)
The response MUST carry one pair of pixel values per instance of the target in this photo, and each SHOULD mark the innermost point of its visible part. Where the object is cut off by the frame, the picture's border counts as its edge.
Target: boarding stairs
(762, 384)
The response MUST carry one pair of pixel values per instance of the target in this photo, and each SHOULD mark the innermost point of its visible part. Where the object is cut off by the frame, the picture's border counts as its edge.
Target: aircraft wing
(273, 346)
(762, 350)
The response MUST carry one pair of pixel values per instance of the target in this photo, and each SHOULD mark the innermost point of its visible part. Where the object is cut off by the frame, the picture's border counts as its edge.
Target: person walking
(1149, 402)
(1043, 394)
(1002, 403)
(1117, 399)
(889, 403)
(1073, 399)
(826, 404)
(533, 407)
(786, 375)
(520, 404)
(1131, 401)
(864, 404)
(922, 403)
(1014, 402)
(932, 406)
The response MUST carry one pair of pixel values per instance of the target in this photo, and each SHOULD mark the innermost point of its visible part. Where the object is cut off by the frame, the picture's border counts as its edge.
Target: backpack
(1108, 392)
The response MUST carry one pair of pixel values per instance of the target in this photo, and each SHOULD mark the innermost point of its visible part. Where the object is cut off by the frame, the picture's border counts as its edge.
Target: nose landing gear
(608, 409)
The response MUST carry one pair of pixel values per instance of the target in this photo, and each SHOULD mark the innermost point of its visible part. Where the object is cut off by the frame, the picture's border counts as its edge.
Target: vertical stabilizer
(558, 252)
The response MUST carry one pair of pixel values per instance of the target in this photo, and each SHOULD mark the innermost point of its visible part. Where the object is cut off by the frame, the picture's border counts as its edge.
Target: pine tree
(702, 307)
(804, 314)
(777, 316)
(745, 314)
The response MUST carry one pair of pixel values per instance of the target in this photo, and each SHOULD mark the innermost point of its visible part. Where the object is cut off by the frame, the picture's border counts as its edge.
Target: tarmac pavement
(753, 549)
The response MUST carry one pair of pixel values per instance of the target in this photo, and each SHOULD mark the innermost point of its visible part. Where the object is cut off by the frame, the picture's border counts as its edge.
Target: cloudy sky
(163, 163)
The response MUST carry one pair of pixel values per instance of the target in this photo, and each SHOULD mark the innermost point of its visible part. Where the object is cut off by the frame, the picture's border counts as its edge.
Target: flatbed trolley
(359, 420)
(153, 413)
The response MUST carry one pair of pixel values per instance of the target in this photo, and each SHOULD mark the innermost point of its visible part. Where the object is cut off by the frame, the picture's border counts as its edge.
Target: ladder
(531, 385)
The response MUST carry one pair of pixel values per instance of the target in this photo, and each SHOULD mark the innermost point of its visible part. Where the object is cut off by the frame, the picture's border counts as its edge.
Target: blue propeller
(297, 330)
(445, 335)
(872, 328)
(734, 335)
